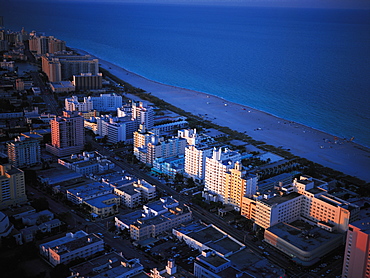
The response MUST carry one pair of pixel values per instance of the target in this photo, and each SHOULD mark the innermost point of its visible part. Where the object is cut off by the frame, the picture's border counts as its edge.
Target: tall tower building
(215, 174)
(12, 186)
(357, 255)
(24, 152)
(143, 114)
(195, 161)
(237, 185)
(67, 134)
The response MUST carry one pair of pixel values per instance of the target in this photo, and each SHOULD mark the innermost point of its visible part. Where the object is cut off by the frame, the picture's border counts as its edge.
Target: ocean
(310, 66)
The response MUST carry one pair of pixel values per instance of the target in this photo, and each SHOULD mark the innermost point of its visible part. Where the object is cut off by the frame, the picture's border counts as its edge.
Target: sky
(346, 4)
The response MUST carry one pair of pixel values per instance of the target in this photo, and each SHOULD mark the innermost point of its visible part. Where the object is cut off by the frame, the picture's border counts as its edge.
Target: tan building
(24, 152)
(146, 228)
(60, 67)
(357, 254)
(306, 201)
(104, 206)
(238, 185)
(88, 81)
(67, 134)
(12, 186)
(222, 160)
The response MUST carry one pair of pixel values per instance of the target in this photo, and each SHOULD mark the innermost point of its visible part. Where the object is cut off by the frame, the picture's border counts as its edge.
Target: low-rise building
(83, 193)
(169, 166)
(306, 246)
(71, 247)
(109, 265)
(103, 206)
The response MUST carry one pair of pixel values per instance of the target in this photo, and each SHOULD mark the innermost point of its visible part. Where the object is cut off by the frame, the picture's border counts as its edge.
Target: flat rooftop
(99, 201)
(363, 225)
(225, 245)
(206, 235)
(280, 199)
(307, 240)
(109, 265)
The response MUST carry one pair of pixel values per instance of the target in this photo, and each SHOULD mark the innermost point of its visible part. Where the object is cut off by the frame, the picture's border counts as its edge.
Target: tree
(179, 178)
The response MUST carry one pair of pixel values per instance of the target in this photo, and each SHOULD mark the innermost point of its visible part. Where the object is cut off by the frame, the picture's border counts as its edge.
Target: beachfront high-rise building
(72, 104)
(39, 44)
(55, 45)
(52, 69)
(88, 81)
(143, 114)
(106, 102)
(67, 134)
(24, 152)
(149, 145)
(142, 137)
(195, 160)
(12, 186)
(69, 65)
(357, 254)
(43, 44)
(238, 185)
(215, 173)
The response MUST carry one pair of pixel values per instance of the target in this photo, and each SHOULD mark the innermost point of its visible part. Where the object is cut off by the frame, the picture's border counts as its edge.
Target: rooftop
(206, 234)
(280, 199)
(307, 239)
(99, 201)
(225, 245)
(363, 225)
(109, 265)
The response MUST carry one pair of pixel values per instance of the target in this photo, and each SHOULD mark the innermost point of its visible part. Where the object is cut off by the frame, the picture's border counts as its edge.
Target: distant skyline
(335, 4)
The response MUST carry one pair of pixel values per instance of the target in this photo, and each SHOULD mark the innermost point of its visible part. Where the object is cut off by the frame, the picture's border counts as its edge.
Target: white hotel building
(215, 173)
(195, 161)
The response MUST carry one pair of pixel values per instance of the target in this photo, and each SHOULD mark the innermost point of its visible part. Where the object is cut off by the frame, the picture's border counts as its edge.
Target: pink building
(67, 134)
(356, 257)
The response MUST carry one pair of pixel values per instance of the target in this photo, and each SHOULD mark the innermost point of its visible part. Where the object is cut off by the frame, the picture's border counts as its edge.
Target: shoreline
(318, 146)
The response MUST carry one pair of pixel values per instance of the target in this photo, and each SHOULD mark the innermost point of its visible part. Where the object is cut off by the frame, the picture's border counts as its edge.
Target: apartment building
(60, 67)
(67, 134)
(195, 161)
(12, 186)
(151, 227)
(130, 196)
(106, 102)
(24, 152)
(73, 104)
(103, 206)
(88, 81)
(156, 147)
(71, 247)
(143, 114)
(357, 253)
(85, 192)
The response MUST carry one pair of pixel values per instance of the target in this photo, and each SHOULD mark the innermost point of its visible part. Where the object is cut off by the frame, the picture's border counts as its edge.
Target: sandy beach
(345, 156)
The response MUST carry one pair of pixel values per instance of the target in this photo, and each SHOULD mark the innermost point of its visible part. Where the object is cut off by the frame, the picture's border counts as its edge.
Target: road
(52, 104)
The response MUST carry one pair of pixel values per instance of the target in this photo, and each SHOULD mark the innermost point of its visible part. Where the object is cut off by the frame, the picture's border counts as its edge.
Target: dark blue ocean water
(311, 66)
